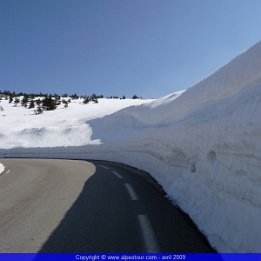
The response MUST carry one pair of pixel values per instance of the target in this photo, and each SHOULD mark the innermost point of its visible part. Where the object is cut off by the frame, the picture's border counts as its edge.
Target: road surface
(77, 206)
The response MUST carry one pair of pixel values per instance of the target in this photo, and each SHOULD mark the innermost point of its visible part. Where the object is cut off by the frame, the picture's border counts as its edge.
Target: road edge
(147, 177)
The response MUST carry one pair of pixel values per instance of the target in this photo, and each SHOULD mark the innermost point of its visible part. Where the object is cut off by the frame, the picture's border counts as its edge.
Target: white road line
(131, 192)
(104, 167)
(149, 238)
(117, 174)
(8, 171)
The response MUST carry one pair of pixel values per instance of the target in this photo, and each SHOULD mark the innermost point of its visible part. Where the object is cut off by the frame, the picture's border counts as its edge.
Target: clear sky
(120, 47)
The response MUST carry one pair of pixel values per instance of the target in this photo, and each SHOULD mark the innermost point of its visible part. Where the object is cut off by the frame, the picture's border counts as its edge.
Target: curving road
(80, 206)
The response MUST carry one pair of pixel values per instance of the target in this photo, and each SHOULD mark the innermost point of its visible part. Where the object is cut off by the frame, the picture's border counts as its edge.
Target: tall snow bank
(203, 145)
(242, 72)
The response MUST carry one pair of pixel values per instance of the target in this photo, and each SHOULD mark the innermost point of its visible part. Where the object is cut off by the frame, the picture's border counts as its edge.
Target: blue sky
(120, 47)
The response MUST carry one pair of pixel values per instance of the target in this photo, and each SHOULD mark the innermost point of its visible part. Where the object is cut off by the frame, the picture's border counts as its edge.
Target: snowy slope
(20, 127)
(203, 145)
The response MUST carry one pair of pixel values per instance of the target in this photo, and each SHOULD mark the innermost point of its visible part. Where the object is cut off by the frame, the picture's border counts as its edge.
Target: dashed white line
(131, 192)
(117, 174)
(104, 167)
(8, 171)
(149, 238)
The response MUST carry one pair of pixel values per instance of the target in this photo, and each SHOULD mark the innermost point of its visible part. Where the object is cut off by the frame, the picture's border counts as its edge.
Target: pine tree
(24, 101)
(16, 101)
(39, 110)
(49, 104)
(86, 100)
(65, 103)
(74, 96)
(31, 105)
(94, 98)
(38, 102)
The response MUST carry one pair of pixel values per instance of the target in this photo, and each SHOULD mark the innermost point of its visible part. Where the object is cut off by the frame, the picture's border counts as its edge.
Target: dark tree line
(57, 96)
(42, 101)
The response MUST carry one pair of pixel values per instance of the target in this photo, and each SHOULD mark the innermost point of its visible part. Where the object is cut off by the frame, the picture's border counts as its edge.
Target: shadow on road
(104, 219)
(101, 219)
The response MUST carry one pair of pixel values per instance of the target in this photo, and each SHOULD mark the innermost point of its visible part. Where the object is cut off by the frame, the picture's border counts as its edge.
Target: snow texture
(2, 168)
(20, 127)
(203, 146)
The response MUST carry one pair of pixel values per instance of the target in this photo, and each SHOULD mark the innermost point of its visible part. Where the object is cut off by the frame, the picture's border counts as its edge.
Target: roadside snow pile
(2, 168)
(203, 145)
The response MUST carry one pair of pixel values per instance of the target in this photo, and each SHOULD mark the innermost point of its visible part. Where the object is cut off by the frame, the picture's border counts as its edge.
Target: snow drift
(203, 145)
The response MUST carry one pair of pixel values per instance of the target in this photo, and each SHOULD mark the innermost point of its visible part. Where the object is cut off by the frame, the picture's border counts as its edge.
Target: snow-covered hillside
(21, 127)
(203, 145)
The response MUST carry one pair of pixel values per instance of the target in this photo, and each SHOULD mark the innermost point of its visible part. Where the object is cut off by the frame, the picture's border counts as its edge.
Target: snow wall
(203, 146)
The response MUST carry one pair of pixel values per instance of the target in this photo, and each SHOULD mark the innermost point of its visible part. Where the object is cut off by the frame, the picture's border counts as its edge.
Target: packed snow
(203, 146)
(2, 168)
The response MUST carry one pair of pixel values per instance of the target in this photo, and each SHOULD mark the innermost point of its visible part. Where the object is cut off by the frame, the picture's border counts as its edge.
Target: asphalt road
(77, 206)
